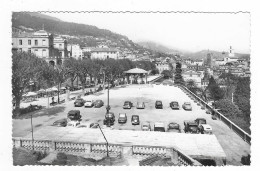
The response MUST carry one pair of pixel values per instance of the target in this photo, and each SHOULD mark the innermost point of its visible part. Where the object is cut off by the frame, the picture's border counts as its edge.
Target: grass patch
(22, 156)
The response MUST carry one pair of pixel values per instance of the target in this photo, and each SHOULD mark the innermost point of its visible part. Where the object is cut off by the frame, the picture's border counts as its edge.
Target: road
(231, 143)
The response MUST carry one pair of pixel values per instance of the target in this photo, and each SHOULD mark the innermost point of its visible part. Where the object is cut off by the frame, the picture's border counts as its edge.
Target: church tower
(231, 52)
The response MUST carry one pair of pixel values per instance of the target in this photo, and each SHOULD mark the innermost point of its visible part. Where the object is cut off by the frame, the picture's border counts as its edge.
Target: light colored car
(205, 129)
(140, 105)
(122, 118)
(89, 103)
(187, 106)
(146, 126)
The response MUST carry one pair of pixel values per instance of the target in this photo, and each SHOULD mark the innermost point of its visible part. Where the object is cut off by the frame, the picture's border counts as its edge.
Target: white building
(75, 51)
(104, 53)
(193, 75)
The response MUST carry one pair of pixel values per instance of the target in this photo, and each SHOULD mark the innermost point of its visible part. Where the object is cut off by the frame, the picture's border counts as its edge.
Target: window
(20, 42)
(43, 42)
(36, 50)
(29, 50)
(36, 42)
(29, 42)
(44, 52)
(60, 45)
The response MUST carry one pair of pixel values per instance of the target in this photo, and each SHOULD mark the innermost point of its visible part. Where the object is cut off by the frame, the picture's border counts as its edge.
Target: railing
(244, 135)
(100, 148)
(149, 150)
(159, 77)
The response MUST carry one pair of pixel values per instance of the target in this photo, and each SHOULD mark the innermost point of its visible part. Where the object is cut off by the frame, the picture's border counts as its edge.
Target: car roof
(122, 114)
(73, 111)
(158, 124)
(135, 116)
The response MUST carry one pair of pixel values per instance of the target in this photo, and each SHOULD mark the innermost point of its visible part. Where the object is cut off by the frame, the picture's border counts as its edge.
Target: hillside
(85, 35)
(157, 47)
(217, 55)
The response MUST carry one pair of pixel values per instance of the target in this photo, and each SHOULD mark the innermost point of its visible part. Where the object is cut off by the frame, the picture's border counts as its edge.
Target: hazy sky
(191, 32)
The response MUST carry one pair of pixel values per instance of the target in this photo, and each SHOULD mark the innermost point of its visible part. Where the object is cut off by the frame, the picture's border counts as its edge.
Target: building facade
(61, 45)
(104, 53)
(40, 43)
(75, 51)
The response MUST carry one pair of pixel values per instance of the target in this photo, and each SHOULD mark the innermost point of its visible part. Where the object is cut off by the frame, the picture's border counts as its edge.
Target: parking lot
(232, 144)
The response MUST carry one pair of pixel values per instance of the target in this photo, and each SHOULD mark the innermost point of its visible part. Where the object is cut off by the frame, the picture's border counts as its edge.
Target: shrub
(228, 108)
(61, 159)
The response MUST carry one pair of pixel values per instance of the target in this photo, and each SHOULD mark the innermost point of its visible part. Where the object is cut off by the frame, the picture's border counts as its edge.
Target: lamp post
(32, 133)
(104, 138)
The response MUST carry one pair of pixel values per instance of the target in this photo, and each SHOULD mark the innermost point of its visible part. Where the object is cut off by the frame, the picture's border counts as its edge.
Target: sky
(183, 31)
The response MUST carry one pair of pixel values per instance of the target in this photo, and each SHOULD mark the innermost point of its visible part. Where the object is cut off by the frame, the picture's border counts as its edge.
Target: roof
(136, 71)
(104, 50)
(40, 33)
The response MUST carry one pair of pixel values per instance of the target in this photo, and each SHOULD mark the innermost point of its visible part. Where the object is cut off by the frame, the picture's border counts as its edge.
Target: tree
(191, 85)
(166, 74)
(242, 95)
(215, 91)
(26, 67)
(228, 108)
(178, 74)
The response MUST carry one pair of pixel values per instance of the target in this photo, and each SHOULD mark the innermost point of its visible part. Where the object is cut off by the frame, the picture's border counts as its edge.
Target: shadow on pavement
(53, 111)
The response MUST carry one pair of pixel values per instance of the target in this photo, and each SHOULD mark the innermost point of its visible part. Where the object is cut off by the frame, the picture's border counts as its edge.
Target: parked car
(122, 118)
(205, 129)
(175, 105)
(60, 123)
(200, 121)
(79, 102)
(135, 120)
(93, 125)
(98, 103)
(191, 127)
(146, 126)
(89, 103)
(109, 119)
(127, 105)
(158, 104)
(187, 106)
(173, 127)
(140, 105)
(159, 127)
(73, 115)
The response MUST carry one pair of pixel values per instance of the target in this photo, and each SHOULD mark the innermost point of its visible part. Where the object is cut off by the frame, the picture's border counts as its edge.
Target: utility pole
(32, 133)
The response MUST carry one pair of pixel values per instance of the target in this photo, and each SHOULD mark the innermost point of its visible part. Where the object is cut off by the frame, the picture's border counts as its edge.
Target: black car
(60, 123)
(127, 105)
(158, 104)
(122, 118)
(175, 105)
(109, 119)
(98, 103)
(135, 120)
(73, 115)
(79, 102)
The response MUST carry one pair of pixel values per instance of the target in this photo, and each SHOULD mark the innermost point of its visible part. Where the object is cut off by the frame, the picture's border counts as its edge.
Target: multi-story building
(40, 43)
(104, 53)
(75, 51)
(162, 66)
(192, 75)
(61, 45)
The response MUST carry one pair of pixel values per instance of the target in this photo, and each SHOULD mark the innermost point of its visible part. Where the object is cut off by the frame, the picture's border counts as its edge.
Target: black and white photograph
(122, 88)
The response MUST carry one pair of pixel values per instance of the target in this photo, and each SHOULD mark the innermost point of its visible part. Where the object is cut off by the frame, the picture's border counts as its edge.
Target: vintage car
(158, 104)
(60, 123)
(89, 103)
(98, 103)
(146, 126)
(79, 102)
(187, 106)
(205, 129)
(159, 127)
(109, 119)
(140, 105)
(175, 105)
(122, 118)
(127, 105)
(135, 120)
(73, 115)
(191, 127)
(173, 127)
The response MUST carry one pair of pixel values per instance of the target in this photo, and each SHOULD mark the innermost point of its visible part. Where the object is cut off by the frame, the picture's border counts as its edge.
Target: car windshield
(121, 115)
(88, 101)
(135, 117)
(173, 126)
(159, 102)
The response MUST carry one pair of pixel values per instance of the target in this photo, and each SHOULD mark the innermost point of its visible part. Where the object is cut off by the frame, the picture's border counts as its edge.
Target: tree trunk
(17, 111)
(58, 92)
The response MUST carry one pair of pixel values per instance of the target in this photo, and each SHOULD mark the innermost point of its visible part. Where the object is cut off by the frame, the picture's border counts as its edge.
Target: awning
(30, 94)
